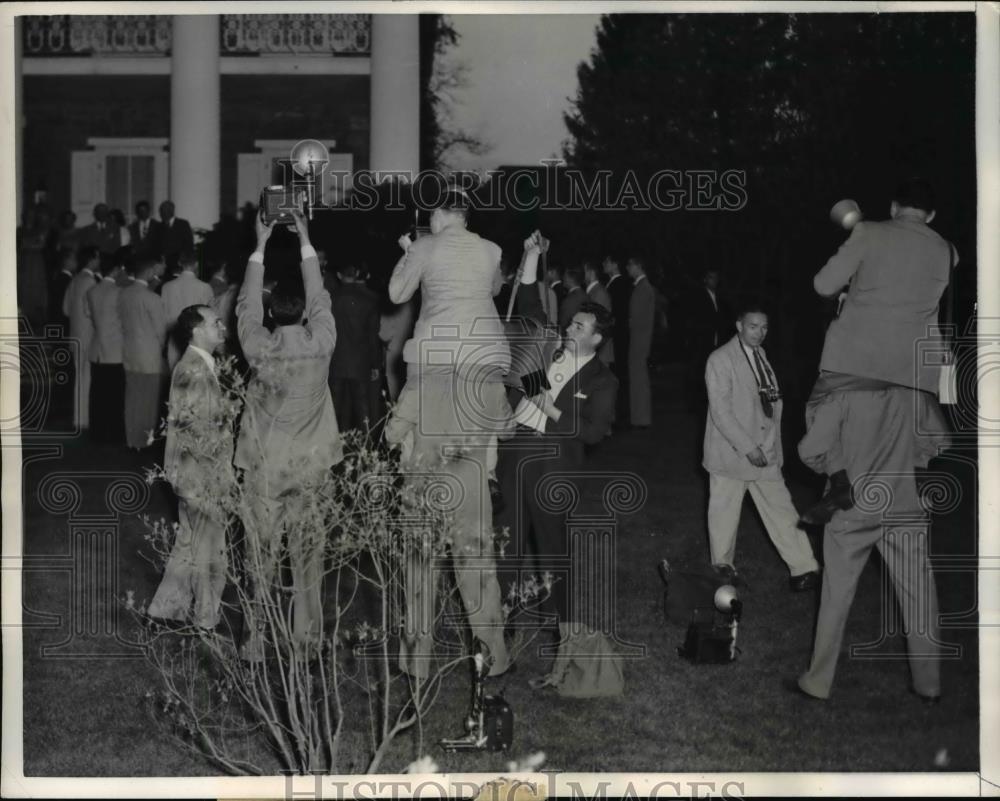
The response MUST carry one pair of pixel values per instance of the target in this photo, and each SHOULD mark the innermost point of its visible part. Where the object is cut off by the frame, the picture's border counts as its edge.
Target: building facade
(199, 108)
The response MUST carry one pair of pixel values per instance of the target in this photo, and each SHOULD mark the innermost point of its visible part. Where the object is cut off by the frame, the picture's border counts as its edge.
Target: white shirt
(140, 281)
(591, 285)
(711, 294)
(561, 370)
(637, 280)
(764, 380)
(611, 280)
(208, 357)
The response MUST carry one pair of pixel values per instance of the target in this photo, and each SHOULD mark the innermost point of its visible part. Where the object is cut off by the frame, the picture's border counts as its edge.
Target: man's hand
(375, 374)
(532, 244)
(757, 457)
(405, 242)
(544, 402)
(263, 233)
(301, 225)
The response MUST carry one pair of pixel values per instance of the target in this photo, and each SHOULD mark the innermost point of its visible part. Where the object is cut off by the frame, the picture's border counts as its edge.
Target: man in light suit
(453, 399)
(872, 421)
(183, 291)
(144, 325)
(197, 463)
(289, 437)
(597, 293)
(107, 375)
(743, 452)
(81, 330)
(145, 232)
(641, 318)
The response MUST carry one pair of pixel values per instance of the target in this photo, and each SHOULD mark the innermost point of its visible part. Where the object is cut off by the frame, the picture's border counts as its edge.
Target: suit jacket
(641, 316)
(175, 238)
(736, 423)
(60, 283)
(288, 433)
(144, 326)
(199, 450)
(359, 349)
(106, 239)
(570, 305)
(598, 293)
(102, 308)
(458, 274)
(898, 271)
(150, 243)
(587, 401)
(620, 289)
(183, 291)
(707, 325)
(74, 307)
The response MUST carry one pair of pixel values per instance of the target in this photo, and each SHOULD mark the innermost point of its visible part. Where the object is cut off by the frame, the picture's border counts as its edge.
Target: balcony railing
(239, 35)
(295, 34)
(68, 35)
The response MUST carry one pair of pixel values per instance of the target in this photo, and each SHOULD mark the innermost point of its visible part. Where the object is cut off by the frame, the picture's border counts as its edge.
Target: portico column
(395, 86)
(194, 118)
(18, 120)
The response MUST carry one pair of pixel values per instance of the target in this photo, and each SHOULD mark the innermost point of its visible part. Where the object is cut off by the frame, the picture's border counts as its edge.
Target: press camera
(278, 202)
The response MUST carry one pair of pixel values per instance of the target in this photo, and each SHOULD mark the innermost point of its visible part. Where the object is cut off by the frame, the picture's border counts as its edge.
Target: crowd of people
(518, 372)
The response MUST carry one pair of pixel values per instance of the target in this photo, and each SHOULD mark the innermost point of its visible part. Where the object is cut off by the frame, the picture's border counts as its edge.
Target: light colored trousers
(195, 571)
(847, 544)
(773, 501)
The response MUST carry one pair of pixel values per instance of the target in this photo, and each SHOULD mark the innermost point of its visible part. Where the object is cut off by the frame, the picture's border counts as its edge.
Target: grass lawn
(86, 716)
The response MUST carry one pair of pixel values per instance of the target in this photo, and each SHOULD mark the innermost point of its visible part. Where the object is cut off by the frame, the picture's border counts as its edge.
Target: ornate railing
(68, 35)
(294, 34)
(239, 35)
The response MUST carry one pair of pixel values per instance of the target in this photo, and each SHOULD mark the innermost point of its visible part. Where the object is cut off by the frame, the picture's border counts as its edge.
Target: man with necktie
(103, 233)
(197, 463)
(743, 452)
(641, 319)
(145, 231)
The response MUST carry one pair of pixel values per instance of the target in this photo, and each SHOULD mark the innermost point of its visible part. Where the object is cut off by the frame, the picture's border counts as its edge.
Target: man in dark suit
(575, 297)
(145, 232)
(620, 289)
(57, 290)
(554, 427)
(598, 293)
(103, 232)
(641, 319)
(358, 352)
(175, 236)
(707, 325)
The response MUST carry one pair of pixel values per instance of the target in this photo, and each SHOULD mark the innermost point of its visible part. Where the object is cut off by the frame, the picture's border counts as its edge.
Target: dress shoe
(838, 496)
(926, 700)
(792, 686)
(726, 574)
(805, 582)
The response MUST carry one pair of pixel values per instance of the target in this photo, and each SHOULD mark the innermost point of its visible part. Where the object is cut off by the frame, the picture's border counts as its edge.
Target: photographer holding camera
(743, 452)
(288, 436)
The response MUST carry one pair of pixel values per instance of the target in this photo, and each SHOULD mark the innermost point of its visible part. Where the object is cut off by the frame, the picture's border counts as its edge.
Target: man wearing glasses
(743, 452)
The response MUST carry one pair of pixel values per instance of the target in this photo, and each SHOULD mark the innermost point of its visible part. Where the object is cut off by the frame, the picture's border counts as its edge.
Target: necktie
(766, 379)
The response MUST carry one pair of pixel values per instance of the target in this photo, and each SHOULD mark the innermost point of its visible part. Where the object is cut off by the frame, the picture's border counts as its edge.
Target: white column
(18, 120)
(395, 99)
(194, 119)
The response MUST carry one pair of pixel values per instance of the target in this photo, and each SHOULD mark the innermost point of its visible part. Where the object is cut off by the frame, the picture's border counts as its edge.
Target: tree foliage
(813, 107)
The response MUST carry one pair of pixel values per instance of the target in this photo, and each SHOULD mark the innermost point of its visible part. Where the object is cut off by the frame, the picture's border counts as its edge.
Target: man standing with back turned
(872, 420)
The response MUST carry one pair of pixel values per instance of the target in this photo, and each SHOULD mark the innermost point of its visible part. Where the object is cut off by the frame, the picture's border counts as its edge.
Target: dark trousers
(107, 403)
(352, 401)
(538, 537)
(620, 369)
